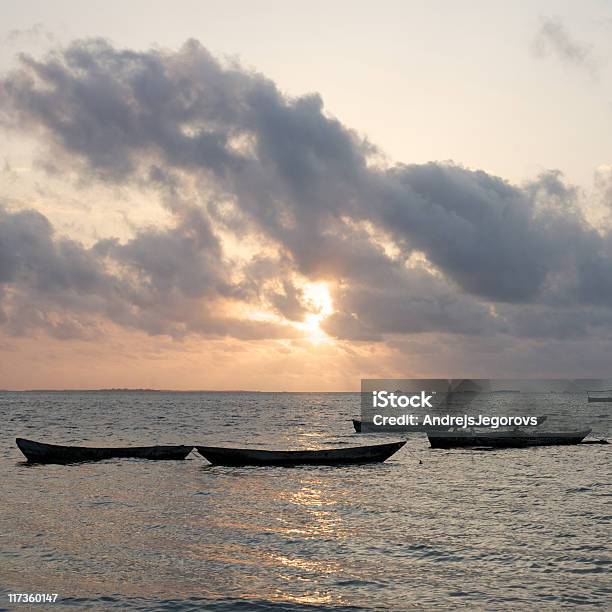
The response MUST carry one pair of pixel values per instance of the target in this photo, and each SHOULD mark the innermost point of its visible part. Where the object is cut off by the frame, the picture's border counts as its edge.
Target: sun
(318, 298)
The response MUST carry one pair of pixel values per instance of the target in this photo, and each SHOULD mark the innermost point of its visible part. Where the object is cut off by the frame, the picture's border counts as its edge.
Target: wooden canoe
(37, 452)
(333, 456)
(602, 395)
(369, 427)
(504, 439)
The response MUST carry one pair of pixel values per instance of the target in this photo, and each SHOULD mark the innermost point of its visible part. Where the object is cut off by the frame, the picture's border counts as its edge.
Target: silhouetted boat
(334, 456)
(504, 439)
(369, 427)
(599, 398)
(37, 452)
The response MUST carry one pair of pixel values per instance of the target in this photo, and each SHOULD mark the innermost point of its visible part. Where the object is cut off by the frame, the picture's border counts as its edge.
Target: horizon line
(152, 390)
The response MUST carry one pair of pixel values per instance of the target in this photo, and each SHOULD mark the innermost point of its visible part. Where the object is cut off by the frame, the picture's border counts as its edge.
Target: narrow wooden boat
(369, 427)
(38, 452)
(333, 456)
(599, 396)
(504, 439)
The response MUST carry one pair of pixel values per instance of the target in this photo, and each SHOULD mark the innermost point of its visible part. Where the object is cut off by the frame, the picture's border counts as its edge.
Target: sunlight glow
(318, 298)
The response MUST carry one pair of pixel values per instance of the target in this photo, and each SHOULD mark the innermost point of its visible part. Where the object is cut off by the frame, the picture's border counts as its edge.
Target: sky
(293, 196)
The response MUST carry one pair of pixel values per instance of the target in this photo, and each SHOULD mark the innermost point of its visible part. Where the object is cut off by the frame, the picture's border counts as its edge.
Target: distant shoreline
(128, 390)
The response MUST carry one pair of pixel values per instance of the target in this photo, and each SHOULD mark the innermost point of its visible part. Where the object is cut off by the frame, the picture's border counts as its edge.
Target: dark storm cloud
(187, 258)
(40, 274)
(297, 179)
(416, 303)
(347, 326)
(289, 303)
(484, 233)
(160, 282)
(29, 251)
(542, 322)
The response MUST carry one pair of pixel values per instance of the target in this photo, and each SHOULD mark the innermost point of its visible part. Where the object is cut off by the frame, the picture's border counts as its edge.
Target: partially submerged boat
(504, 439)
(375, 453)
(369, 427)
(38, 452)
(599, 396)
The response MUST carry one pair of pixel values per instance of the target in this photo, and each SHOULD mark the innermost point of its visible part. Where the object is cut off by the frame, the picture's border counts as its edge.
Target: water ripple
(463, 529)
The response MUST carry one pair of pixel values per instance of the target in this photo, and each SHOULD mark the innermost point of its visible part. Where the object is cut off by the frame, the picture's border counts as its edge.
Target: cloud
(35, 34)
(168, 282)
(552, 38)
(290, 303)
(406, 249)
(603, 185)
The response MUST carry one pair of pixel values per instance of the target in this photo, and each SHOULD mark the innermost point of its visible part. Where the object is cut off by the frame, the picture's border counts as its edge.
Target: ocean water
(525, 528)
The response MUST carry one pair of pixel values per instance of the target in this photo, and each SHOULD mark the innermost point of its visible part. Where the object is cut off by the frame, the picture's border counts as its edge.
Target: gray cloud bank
(229, 153)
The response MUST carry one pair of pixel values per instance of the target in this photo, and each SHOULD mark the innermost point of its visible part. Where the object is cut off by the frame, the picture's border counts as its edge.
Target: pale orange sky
(305, 263)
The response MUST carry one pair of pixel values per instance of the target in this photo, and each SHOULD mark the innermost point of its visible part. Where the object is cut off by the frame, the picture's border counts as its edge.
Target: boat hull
(38, 452)
(337, 456)
(369, 427)
(505, 439)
